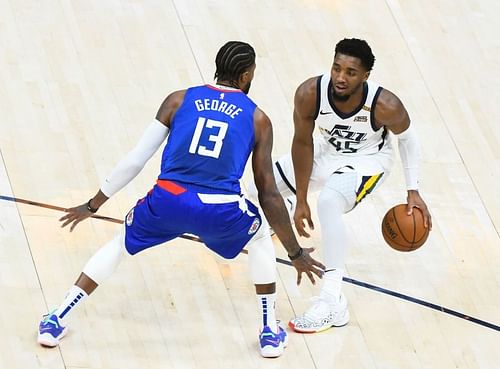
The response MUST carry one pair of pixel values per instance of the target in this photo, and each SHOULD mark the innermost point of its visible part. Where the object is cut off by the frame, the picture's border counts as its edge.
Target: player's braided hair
(233, 59)
(358, 49)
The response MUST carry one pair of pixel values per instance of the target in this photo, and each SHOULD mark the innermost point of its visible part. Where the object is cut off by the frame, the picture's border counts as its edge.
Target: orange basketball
(404, 232)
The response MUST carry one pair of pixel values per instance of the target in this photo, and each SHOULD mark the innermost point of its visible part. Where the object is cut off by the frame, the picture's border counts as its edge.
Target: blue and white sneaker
(50, 330)
(272, 344)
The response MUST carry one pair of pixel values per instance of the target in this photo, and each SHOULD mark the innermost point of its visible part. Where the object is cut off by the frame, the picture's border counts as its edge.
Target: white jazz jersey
(350, 134)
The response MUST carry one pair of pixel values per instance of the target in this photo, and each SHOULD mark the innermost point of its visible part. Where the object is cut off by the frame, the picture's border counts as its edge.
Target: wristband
(90, 208)
(297, 255)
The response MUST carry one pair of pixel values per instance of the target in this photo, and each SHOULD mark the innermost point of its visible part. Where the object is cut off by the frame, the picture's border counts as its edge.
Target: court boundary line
(289, 263)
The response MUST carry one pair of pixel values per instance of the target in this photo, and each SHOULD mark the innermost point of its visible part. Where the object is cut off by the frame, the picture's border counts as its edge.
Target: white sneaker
(321, 316)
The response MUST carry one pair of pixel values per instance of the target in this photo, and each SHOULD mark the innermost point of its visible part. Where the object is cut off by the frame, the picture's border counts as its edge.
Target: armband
(409, 151)
(128, 168)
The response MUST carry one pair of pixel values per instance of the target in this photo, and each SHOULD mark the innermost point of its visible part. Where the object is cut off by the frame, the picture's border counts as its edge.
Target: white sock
(332, 284)
(74, 297)
(267, 305)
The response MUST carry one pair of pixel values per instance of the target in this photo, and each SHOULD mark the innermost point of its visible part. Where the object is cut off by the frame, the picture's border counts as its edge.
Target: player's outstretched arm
(302, 151)
(391, 112)
(272, 203)
(131, 165)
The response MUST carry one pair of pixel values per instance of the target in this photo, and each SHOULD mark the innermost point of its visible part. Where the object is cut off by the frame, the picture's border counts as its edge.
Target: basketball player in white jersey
(349, 160)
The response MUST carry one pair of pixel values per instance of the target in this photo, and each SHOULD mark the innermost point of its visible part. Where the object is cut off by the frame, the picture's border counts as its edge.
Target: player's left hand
(306, 264)
(414, 200)
(75, 215)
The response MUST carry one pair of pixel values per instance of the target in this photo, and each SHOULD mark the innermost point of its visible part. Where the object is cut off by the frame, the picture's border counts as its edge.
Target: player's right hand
(414, 200)
(75, 215)
(302, 212)
(306, 264)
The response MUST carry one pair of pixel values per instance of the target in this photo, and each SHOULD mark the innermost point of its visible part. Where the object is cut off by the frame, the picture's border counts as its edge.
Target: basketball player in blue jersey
(350, 159)
(211, 132)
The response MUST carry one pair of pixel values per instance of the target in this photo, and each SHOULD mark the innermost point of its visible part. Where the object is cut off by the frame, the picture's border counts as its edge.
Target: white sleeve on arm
(409, 151)
(134, 161)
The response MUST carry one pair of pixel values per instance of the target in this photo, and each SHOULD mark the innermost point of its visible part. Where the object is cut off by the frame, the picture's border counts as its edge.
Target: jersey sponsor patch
(255, 226)
(130, 217)
(361, 118)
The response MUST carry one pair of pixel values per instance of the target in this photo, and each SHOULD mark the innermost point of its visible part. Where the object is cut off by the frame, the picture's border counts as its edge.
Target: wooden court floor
(80, 80)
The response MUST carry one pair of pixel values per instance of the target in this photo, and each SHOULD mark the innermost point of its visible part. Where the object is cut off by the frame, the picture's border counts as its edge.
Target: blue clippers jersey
(211, 138)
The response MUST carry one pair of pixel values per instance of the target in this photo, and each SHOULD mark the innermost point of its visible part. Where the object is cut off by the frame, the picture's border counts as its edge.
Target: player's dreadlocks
(234, 58)
(358, 49)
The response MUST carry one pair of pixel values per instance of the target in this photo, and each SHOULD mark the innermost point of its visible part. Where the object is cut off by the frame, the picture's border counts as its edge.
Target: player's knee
(340, 189)
(330, 202)
(261, 256)
(338, 195)
(103, 263)
(262, 232)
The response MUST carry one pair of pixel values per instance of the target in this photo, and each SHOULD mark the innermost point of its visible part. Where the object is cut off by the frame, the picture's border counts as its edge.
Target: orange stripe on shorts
(171, 187)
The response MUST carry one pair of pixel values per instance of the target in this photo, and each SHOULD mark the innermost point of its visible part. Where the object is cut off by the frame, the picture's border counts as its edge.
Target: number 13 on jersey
(197, 148)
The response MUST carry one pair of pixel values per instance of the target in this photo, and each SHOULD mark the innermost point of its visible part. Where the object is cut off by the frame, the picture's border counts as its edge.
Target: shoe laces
(320, 308)
(47, 319)
(279, 329)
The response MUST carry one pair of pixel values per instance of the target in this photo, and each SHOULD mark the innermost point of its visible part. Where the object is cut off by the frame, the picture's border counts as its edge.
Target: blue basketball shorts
(225, 223)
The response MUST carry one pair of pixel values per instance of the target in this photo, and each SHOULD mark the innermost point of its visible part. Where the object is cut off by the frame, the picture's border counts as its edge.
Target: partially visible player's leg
(142, 230)
(330, 308)
(100, 266)
(284, 175)
(285, 182)
(345, 188)
(337, 198)
(262, 265)
(284, 172)
(238, 224)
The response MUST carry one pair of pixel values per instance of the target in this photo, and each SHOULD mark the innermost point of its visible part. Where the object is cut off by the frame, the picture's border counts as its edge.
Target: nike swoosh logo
(325, 112)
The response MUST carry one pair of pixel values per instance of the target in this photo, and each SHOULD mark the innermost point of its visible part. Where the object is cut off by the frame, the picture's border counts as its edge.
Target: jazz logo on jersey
(255, 226)
(342, 138)
(344, 132)
(130, 217)
(341, 131)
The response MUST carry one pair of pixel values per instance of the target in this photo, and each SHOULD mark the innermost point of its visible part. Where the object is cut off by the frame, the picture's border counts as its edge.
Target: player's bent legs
(262, 266)
(99, 267)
